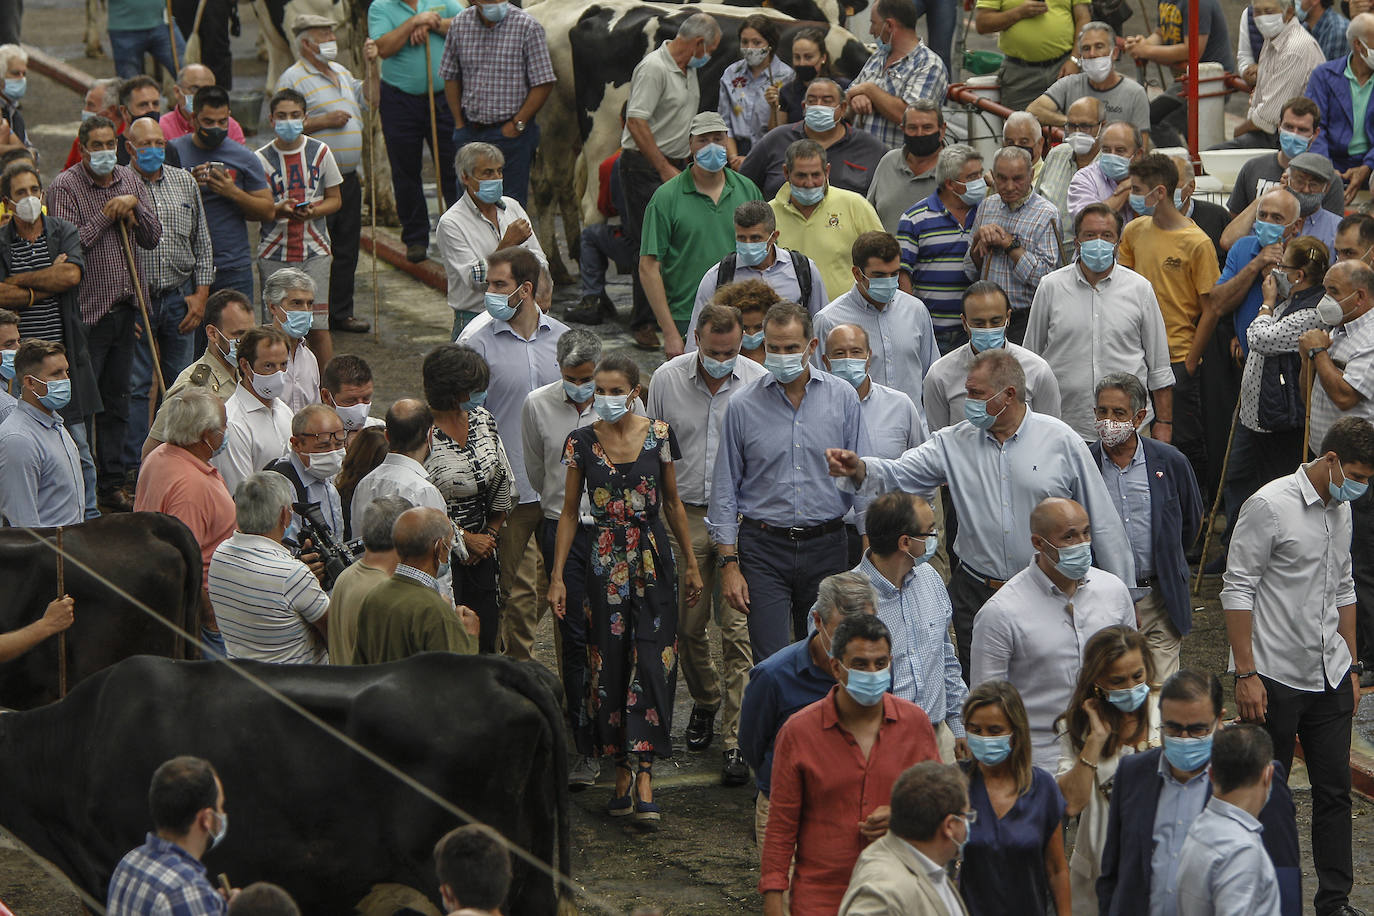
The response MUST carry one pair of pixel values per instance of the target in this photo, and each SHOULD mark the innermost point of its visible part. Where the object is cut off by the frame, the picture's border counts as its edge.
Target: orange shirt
(178, 483)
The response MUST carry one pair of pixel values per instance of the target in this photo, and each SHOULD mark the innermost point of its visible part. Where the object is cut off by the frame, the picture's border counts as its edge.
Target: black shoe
(735, 772)
(351, 325)
(416, 254)
(1346, 910)
(591, 310)
(116, 500)
(1216, 567)
(701, 728)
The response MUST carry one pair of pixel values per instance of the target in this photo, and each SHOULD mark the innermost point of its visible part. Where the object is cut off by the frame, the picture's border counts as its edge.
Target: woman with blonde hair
(1014, 859)
(1110, 716)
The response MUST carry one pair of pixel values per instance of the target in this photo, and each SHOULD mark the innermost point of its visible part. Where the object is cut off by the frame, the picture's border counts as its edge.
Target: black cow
(149, 556)
(306, 811)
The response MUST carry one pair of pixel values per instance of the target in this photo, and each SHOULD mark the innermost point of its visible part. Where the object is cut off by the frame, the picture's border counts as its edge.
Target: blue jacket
(1328, 87)
(1175, 519)
(1123, 889)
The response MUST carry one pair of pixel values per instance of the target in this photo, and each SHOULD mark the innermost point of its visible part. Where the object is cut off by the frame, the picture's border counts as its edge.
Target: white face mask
(1097, 69)
(354, 417)
(28, 209)
(329, 49)
(326, 465)
(270, 386)
(1270, 25)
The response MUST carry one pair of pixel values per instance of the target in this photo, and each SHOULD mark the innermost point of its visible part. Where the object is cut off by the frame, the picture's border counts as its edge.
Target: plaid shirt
(1330, 34)
(75, 197)
(1033, 222)
(184, 250)
(161, 877)
(919, 75)
(497, 65)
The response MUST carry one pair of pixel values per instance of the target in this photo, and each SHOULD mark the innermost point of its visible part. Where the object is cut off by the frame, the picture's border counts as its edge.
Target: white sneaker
(584, 773)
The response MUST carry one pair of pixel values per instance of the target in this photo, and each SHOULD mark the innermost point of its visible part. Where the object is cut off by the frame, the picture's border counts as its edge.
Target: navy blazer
(1123, 889)
(1175, 520)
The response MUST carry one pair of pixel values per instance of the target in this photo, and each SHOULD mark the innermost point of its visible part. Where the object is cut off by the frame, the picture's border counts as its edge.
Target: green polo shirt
(689, 233)
(406, 68)
(1359, 104)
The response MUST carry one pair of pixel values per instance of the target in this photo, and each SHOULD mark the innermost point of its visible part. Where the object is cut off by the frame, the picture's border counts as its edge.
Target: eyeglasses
(339, 437)
(970, 817)
(1193, 730)
(1084, 127)
(932, 533)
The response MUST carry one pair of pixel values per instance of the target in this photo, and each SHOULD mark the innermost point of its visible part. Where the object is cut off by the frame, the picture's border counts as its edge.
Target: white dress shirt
(1032, 634)
(995, 487)
(1086, 332)
(900, 336)
(397, 475)
(1289, 566)
(256, 434)
(1352, 347)
(1225, 870)
(678, 394)
(467, 238)
(944, 385)
(939, 878)
(302, 377)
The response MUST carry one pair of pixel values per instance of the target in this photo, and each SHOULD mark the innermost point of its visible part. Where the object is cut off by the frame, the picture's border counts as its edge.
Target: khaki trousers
(524, 581)
(1159, 632)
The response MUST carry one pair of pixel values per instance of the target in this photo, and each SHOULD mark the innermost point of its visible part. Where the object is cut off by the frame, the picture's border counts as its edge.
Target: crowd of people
(931, 449)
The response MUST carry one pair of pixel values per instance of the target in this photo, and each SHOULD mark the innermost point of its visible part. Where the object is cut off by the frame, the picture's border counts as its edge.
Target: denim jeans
(111, 344)
(83, 449)
(783, 577)
(940, 19)
(239, 279)
(175, 353)
(519, 153)
(127, 47)
(603, 243)
(405, 124)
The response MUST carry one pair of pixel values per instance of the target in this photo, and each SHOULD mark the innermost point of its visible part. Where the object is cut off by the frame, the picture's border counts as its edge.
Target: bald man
(1251, 258)
(406, 614)
(1082, 126)
(1020, 634)
(1119, 144)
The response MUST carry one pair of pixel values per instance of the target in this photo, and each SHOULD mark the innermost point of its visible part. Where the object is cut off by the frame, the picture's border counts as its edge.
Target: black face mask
(212, 137)
(805, 73)
(922, 145)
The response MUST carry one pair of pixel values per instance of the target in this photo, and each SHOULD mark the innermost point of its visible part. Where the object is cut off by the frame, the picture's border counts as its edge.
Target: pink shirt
(822, 787)
(174, 124)
(178, 483)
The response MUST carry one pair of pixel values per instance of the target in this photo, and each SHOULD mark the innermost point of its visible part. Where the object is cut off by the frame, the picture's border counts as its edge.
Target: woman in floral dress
(626, 461)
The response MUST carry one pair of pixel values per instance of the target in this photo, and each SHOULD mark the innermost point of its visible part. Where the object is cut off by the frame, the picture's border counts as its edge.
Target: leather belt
(678, 163)
(797, 533)
(694, 505)
(991, 583)
(1053, 61)
(1149, 582)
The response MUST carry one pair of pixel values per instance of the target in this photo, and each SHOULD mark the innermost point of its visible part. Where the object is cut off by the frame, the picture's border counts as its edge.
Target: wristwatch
(724, 561)
(1015, 243)
(1312, 353)
(519, 126)
(1357, 668)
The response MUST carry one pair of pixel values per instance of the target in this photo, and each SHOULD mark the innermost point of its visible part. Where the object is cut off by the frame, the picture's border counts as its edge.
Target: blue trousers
(111, 343)
(783, 577)
(175, 351)
(235, 278)
(83, 450)
(127, 47)
(405, 124)
(940, 19)
(603, 243)
(572, 629)
(518, 150)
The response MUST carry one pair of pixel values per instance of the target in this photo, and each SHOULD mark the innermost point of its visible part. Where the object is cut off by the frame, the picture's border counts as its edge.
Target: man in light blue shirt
(999, 463)
(40, 471)
(912, 601)
(1225, 869)
(777, 521)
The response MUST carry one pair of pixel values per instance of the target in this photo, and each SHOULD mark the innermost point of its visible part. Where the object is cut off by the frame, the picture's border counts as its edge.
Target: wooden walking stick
(148, 331)
(433, 126)
(61, 637)
(372, 202)
(1216, 501)
(172, 37)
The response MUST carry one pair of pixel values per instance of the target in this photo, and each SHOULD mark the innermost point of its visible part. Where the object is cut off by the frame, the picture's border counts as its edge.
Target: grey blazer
(889, 881)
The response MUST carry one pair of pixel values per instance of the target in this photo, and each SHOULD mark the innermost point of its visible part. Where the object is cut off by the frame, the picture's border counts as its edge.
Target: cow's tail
(189, 619)
(518, 677)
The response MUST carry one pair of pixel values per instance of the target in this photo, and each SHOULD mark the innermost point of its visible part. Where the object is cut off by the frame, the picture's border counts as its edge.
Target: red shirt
(823, 787)
(178, 483)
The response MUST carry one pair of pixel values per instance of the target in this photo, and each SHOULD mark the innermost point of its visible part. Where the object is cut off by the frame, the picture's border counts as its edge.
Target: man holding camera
(315, 458)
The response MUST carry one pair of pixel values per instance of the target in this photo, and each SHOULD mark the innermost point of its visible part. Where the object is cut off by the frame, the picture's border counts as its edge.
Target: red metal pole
(1194, 89)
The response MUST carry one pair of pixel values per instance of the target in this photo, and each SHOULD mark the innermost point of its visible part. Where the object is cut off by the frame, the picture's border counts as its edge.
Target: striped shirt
(75, 197)
(474, 478)
(1033, 221)
(933, 247)
(43, 319)
(264, 600)
(161, 877)
(339, 91)
(497, 65)
(185, 251)
(302, 174)
(919, 75)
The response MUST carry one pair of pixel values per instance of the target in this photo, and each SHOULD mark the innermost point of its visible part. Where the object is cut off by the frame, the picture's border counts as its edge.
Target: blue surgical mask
(974, 192)
(489, 190)
(7, 364)
(611, 407)
(987, 338)
(819, 118)
(231, 356)
(579, 393)
(1097, 254)
(289, 130)
(696, 63)
(853, 371)
(976, 412)
(884, 48)
(718, 368)
(446, 567)
(217, 450)
(1348, 491)
(989, 750)
(1178, 200)
(59, 393)
(1293, 144)
(297, 324)
(1128, 700)
(499, 307)
(217, 838)
(1074, 559)
(867, 687)
(87, 115)
(881, 289)
(807, 197)
(932, 545)
(1267, 233)
(104, 161)
(474, 401)
(15, 89)
(1138, 205)
(752, 341)
(151, 158)
(751, 254)
(1113, 166)
(785, 366)
(1188, 754)
(493, 12)
(712, 157)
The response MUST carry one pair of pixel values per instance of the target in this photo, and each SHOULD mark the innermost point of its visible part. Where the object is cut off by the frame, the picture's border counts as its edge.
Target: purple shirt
(1089, 185)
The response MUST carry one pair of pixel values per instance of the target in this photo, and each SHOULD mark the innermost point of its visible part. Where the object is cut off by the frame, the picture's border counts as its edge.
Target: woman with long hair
(361, 457)
(1014, 860)
(1110, 716)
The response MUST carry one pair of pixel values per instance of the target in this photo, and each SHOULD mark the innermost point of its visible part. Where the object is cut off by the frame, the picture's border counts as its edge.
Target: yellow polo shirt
(828, 236)
(1045, 37)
